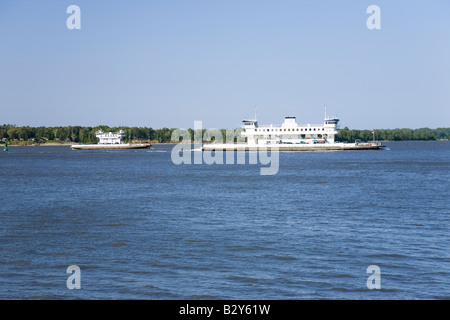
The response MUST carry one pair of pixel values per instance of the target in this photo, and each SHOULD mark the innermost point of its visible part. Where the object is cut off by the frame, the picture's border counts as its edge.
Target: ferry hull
(294, 147)
(110, 146)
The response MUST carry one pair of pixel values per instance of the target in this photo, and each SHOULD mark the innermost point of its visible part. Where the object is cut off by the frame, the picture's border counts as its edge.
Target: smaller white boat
(110, 141)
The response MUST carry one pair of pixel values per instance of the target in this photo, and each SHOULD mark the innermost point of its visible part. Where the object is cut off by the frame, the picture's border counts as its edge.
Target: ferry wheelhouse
(110, 138)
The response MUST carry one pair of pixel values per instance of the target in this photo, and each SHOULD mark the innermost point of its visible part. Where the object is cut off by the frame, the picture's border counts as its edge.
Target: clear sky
(167, 63)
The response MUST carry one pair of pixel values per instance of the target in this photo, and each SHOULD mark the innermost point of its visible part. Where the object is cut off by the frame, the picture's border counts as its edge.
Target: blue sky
(167, 63)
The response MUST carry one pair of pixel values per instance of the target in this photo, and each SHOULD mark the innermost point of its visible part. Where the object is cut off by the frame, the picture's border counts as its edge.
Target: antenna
(255, 113)
(325, 111)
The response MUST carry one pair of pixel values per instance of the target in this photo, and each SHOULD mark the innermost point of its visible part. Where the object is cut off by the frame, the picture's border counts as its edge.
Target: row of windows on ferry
(296, 129)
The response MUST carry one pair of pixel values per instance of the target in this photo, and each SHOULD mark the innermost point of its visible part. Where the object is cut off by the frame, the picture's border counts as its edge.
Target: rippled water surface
(141, 227)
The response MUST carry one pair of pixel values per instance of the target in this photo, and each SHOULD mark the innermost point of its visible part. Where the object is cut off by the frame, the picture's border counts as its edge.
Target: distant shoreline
(164, 143)
(62, 144)
(67, 135)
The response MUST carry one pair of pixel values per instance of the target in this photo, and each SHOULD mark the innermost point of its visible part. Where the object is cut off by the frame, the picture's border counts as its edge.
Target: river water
(139, 226)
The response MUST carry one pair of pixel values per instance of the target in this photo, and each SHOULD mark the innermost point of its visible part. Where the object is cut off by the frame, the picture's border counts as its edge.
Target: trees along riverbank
(26, 135)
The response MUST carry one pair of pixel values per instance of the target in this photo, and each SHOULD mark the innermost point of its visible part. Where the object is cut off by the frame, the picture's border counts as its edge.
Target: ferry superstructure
(290, 132)
(291, 136)
(110, 140)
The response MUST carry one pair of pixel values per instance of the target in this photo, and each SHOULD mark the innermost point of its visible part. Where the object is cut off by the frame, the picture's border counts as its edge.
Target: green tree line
(394, 134)
(79, 134)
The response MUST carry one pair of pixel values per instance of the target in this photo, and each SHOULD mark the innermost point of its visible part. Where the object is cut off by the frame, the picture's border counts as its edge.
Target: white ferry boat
(291, 136)
(110, 141)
